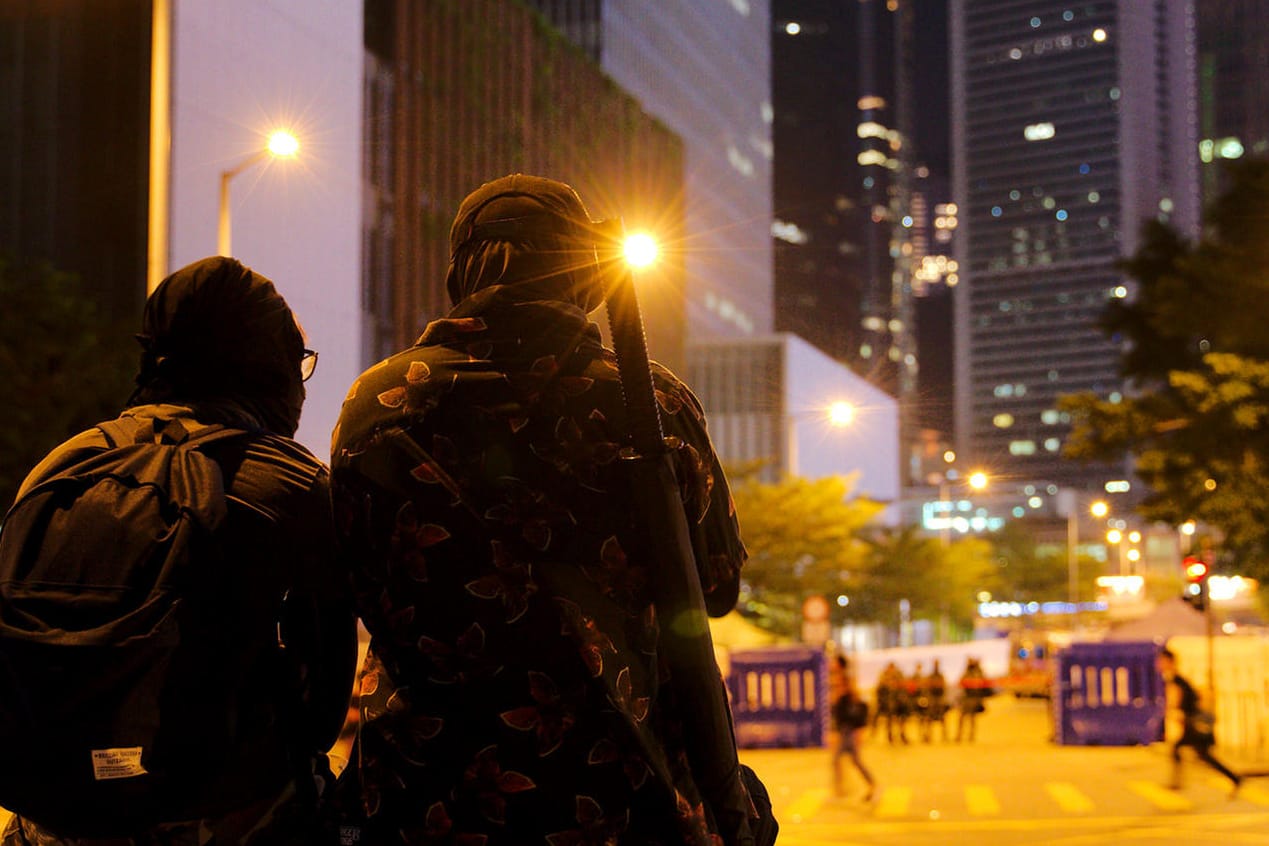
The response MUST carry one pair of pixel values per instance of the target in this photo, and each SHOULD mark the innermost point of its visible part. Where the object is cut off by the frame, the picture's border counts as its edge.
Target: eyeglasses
(308, 364)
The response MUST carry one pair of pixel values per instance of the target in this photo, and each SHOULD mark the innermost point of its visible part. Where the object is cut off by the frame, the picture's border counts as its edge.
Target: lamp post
(1098, 509)
(977, 481)
(282, 145)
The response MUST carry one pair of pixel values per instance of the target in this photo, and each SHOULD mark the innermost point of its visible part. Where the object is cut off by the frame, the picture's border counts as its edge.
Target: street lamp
(1098, 509)
(838, 415)
(281, 145)
(976, 480)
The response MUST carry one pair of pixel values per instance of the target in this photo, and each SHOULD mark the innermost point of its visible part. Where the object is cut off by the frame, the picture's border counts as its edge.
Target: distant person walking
(850, 717)
(974, 690)
(1196, 724)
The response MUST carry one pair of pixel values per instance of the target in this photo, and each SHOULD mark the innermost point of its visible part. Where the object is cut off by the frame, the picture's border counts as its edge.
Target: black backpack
(94, 562)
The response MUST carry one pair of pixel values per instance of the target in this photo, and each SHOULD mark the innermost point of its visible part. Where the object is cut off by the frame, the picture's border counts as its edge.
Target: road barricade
(1108, 694)
(779, 697)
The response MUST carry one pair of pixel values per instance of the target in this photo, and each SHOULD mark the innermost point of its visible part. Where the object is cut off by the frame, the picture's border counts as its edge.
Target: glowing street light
(281, 145)
(978, 480)
(640, 249)
(839, 415)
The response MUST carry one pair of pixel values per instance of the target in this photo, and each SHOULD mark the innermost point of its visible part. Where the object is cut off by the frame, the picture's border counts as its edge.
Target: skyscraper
(1233, 84)
(702, 70)
(1072, 124)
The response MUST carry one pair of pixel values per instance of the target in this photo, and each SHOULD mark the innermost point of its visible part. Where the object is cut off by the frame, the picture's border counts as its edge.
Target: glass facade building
(1072, 124)
(703, 71)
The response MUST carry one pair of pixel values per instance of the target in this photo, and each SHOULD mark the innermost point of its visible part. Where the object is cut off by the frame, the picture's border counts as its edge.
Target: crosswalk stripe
(981, 800)
(1161, 797)
(1069, 797)
(806, 805)
(894, 802)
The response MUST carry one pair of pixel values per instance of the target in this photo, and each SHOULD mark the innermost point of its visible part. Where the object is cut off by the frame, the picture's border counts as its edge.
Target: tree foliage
(939, 582)
(802, 537)
(64, 365)
(1197, 360)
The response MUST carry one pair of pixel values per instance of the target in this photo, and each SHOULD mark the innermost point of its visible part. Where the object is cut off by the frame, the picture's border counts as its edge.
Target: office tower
(1233, 84)
(1072, 124)
(861, 179)
(118, 120)
(462, 93)
(703, 71)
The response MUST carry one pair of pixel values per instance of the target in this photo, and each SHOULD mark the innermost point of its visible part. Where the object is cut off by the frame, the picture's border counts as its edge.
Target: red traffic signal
(1195, 569)
(1196, 582)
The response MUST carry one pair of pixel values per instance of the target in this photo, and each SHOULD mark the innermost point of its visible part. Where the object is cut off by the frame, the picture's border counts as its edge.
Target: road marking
(806, 805)
(1069, 797)
(1160, 797)
(894, 802)
(981, 800)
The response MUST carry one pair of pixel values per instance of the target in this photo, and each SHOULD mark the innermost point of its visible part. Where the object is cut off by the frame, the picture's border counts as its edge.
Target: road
(1010, 787)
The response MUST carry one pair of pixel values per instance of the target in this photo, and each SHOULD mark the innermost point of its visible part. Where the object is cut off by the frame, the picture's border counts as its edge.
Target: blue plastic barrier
(779, 697)
(1108, 694)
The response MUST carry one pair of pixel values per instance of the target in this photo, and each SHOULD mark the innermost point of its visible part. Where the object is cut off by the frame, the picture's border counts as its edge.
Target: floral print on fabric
(514, 693)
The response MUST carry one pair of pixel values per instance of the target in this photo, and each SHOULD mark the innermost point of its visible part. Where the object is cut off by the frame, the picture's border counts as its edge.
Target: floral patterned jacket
(514, 692)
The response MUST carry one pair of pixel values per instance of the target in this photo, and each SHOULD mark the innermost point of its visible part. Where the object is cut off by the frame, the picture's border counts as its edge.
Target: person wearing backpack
(177, 643)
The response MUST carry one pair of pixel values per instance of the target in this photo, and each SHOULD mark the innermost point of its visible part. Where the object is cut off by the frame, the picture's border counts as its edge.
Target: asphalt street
(1012, 786)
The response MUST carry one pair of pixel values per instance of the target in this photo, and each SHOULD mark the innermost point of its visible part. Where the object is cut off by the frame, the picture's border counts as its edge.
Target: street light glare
(640, 249)
(978, 480)
(841, 414)
(283, 144)
(1099, 509)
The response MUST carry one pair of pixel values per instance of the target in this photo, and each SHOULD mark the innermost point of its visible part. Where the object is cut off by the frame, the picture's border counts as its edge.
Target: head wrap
(216, 330)
(529, 232)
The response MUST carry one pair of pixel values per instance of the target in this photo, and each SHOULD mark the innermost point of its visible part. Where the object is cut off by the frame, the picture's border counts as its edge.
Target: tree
(65, 365)
(940, 582)
(802, 537)
(1197, 361)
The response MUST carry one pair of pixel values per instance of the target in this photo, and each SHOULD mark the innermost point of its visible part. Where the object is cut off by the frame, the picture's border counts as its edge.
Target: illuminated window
(1094, 197)
(1039, 131)
(1052, 444)
(1060, 214)
(1002, 421)
(1099, 35)
(869, 102)
(1049, 417)
(1022, 447)
(871, 157)
(871, 129)
(1229, 148)
(793, 27)
(1015, 53)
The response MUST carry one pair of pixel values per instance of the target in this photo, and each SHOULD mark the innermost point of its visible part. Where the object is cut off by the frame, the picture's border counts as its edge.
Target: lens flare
(640, 249)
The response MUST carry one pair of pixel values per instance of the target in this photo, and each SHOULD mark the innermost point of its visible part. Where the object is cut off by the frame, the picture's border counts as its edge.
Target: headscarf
(216, 330)
(528, 232)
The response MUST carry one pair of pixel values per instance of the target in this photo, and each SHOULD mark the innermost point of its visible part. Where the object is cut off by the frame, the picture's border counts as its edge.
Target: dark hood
(217, 330)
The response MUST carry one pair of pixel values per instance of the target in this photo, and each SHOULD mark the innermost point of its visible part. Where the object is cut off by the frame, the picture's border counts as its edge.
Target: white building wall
(703, 68)
(241, 68)
(868, 445)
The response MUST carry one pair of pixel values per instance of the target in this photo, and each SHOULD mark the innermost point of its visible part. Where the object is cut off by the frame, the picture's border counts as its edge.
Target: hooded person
(514, 691)
(270, 624)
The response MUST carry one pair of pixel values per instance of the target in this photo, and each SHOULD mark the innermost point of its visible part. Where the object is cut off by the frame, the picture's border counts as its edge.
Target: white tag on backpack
(124, 762)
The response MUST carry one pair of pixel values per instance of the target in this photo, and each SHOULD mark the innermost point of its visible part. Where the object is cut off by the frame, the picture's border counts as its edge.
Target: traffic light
(1195, 582)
